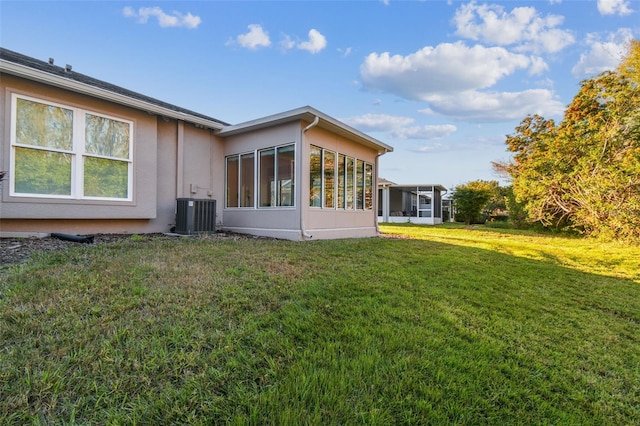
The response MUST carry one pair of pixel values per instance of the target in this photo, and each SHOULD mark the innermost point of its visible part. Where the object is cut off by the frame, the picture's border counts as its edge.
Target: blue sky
(443, 82)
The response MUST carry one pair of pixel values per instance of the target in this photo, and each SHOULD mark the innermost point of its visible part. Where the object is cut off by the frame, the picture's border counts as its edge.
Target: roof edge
(306, 113)
(42, 76)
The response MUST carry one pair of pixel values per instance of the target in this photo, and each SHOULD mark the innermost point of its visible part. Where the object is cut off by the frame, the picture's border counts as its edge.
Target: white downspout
(376, 192)
(303, 231)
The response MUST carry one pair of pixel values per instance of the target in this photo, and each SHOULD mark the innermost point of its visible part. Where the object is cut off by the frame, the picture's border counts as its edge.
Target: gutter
(303, 232)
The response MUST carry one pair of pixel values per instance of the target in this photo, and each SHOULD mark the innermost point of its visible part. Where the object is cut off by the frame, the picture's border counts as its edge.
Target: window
(233, 171)
(345, 184)
(240, 180)
(247, 168)
(341, 180)
(65, 152)
(277, 171)
(350, 174)
(329, 170)
(368, 186)
(315, 177)
(359, 185)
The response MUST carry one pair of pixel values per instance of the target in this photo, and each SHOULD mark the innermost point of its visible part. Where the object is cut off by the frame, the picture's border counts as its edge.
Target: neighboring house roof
(412, 187)
(384, 182)
(308, 114)
(64, 77)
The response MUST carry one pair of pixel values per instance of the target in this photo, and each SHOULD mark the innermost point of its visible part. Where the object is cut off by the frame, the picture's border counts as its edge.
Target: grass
(440, 325)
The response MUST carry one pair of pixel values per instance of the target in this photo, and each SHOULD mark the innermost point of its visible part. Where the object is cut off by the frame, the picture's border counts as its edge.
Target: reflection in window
(341, 181)
(277, 172)
(350, 177)
(286, 173)
(359, 184)
(368, 186)
(315, 177)
(329, 178)
(232, 181)
(246, 180)
(53, 156)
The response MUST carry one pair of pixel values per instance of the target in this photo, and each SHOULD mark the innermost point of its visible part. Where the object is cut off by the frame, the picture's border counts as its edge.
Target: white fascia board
(308, 114)
(54, 80)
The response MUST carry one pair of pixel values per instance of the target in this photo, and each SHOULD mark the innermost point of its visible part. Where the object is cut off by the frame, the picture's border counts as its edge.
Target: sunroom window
(64, 152)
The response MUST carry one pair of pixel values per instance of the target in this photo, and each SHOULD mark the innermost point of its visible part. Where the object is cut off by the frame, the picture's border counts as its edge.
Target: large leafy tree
(585, 172)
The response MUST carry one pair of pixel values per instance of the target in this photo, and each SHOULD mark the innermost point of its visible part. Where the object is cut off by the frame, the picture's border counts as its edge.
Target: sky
(442, 82)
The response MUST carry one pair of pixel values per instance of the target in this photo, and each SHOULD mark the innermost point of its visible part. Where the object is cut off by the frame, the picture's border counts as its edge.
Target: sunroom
(420, 203)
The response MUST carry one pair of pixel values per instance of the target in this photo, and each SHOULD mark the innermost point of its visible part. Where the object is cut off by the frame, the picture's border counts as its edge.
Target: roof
(413, 187)
(46, 72)
(308, 114)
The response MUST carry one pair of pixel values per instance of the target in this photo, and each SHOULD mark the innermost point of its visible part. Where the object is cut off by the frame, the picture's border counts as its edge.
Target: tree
(585, 172)
(471, 198)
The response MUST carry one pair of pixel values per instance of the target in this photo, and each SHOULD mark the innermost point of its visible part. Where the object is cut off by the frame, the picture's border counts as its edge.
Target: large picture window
(338, 181)
(65, 152)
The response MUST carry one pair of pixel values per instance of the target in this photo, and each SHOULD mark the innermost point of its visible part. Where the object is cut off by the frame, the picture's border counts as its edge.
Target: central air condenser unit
(195, 216)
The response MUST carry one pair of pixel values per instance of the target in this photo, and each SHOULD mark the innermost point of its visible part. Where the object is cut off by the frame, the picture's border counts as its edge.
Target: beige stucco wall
(322, 223)
(279, 222)
(157, 142)
(301, 222)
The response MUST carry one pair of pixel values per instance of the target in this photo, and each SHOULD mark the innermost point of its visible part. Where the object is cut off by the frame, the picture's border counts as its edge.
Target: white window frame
(77, 151)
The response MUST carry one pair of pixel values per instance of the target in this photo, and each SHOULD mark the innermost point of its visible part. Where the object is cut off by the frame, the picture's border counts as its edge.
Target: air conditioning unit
(195, 216)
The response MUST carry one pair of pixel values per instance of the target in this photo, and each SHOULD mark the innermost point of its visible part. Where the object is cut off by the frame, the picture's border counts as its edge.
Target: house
(84, 156)
(419, 203)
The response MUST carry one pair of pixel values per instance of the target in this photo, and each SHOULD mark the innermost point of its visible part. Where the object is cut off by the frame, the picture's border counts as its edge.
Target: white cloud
(614, 7)
(315, 44)
(255, 38)
(378, 122)
(345, 52)
(424, 132)
(399, 126)
(174, 19)
(495, 106)
(446, 67)
(523, 27)
(603, 54)
(452, 79)
(286, 43)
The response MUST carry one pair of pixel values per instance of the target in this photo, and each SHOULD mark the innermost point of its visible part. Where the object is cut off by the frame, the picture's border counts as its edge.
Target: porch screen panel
(315, 177)
(286, 174)
(246, 180)
(341, 181)
(232, 181)
(359, 184)
(267, 178)
(329, 171)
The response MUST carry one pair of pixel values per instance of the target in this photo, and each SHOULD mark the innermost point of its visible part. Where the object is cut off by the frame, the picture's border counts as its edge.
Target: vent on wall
(195, 216)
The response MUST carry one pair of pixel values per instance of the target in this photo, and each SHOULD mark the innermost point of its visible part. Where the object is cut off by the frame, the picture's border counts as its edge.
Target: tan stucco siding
(282, 222)
(155, 143)
(143, 204)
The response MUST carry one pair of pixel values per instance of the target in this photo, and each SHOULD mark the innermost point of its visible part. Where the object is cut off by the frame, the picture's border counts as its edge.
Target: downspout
(376, 192)
(303, 231)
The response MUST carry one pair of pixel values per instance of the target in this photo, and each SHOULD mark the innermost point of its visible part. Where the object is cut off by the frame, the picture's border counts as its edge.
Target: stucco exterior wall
(278, 222)
(329, 223)
(155, 179)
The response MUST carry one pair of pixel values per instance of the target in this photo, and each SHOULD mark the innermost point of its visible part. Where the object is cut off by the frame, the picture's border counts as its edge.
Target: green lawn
(440, 325)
